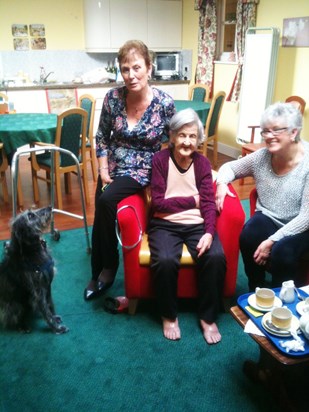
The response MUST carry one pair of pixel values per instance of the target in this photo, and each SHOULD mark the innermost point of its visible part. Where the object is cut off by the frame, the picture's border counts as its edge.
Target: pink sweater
(182, 202)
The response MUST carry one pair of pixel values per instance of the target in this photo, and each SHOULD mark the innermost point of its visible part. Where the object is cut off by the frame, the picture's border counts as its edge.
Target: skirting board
(229, 150)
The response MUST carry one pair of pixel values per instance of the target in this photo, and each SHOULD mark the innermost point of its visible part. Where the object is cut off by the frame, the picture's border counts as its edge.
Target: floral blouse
(130, 150)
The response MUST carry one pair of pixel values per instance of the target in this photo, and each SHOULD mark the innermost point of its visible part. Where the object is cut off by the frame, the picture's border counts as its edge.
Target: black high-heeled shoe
(102, 287)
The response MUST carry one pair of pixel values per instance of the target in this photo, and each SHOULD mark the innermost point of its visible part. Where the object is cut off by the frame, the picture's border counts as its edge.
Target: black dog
(26, 274)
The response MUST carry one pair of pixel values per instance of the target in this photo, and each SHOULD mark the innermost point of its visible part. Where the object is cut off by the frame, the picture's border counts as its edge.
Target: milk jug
(287, 292)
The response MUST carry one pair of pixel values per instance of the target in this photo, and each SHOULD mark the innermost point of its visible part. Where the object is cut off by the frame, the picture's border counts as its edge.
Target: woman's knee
(164, 264)
(282, 256)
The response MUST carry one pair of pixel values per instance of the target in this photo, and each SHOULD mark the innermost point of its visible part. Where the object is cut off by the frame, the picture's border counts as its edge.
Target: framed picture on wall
(20, 30)
(295, 32)
(59, 100)
(21, 43)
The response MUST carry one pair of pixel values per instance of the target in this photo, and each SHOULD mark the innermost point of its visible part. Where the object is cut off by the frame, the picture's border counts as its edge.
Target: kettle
(287, 292)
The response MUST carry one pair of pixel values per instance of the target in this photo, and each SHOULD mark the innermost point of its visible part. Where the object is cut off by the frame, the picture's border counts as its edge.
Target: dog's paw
(61, 329)
(57, 318)
(24, 330)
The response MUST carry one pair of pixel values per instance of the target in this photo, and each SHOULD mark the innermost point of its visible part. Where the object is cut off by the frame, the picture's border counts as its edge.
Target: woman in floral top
(133, 122)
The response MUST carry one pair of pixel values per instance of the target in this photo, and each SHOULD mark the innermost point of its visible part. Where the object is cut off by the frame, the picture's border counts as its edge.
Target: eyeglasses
(274, 132)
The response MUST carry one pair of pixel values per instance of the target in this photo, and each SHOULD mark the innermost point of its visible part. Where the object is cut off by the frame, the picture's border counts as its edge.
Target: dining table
(201, 108)
(20, 129)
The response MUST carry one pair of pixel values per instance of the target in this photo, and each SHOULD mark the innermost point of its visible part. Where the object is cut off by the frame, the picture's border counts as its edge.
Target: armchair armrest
(229, 225)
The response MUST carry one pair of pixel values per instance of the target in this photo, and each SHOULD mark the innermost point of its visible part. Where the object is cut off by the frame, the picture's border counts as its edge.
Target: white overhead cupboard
(110, 23)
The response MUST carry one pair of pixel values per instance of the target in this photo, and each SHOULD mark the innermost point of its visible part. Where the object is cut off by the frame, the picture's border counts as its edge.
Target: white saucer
(252, 302)
(300, 307)
(281, 332)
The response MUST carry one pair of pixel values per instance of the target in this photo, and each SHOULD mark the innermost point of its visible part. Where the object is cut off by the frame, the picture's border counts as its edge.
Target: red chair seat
(132, 221)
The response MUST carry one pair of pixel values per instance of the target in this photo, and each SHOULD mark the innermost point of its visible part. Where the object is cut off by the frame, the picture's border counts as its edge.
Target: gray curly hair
(286, 113)
(184, 117)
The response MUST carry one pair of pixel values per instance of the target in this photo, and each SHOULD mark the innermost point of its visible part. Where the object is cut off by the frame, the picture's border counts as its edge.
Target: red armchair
(304, 262)
(132, 219)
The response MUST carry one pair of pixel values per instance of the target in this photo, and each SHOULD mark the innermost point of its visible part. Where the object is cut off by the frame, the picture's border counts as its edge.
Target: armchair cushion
(132, 217)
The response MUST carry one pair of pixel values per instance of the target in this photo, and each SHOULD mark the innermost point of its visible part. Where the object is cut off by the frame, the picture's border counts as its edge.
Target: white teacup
(264, 297)
(306, 305)
(281, 318)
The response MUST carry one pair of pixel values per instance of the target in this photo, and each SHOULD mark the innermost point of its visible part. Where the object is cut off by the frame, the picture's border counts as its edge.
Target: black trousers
(285, 254)
(104, 240)
(166, 240)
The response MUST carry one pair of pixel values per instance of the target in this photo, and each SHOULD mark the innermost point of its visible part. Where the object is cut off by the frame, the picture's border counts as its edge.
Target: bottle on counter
(119, 77)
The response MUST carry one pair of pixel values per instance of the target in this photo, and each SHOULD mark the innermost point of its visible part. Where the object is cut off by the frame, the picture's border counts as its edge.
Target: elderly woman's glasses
(273, 132)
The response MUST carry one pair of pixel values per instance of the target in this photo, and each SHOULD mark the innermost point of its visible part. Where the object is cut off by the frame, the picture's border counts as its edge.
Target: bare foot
(210, 332)
(171, 329)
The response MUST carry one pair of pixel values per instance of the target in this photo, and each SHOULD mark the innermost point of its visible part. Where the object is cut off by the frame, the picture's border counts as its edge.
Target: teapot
(287, 292)
(304, 324)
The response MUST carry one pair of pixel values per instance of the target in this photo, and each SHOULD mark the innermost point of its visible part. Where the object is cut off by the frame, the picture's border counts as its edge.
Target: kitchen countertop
(85, 85)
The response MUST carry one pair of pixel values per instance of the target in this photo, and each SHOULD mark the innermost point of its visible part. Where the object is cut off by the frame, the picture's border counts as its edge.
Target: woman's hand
(222, 191)
(105, 177)
(204, 244)
(262, 253)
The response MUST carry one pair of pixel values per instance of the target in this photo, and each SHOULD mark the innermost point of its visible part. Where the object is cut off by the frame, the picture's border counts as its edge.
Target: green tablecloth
(201, 108)
(19, 129)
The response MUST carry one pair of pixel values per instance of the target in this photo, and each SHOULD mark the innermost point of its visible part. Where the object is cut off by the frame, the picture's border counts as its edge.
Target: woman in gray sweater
(277, 234)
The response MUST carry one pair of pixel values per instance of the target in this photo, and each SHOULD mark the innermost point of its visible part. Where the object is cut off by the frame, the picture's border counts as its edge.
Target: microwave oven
(166, 65)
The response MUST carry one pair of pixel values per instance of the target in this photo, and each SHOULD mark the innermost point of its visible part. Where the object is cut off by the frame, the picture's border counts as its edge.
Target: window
(226, 11)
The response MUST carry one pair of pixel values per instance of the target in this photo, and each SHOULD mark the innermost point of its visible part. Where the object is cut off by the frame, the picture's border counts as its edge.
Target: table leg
(268, 372)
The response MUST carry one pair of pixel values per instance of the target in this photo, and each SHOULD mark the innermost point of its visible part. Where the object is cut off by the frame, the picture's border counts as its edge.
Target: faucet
(43, 75)
(45, 78)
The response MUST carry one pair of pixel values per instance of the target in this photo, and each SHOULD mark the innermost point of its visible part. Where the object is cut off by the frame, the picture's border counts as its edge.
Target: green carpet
(120, 362)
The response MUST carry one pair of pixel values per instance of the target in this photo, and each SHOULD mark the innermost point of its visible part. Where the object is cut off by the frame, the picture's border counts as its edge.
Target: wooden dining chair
(211, 128)
(4, 165)
(4, 103)
(88, 102)
(251, 147)
(70, 135)
(199, 92)
(298, 101)
(3, 97)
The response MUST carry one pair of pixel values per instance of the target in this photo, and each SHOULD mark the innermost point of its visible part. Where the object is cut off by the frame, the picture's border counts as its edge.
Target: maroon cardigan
(204, 184)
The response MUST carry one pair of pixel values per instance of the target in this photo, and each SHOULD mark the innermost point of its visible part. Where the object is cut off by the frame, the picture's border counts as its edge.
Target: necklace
(137, 110)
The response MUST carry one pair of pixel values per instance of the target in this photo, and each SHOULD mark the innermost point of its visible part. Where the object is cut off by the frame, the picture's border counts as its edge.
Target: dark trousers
(166, 240)
(285, 254)
(104, 240)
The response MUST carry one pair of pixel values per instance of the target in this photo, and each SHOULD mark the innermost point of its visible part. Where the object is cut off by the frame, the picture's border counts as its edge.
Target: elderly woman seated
(277, 235)
(185, 213)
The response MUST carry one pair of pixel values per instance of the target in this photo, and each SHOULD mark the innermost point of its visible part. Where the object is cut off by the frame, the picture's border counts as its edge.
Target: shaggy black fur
(26, 274)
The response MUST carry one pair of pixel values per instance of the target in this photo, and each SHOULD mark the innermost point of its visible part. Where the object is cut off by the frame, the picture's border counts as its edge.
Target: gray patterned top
(285, 199)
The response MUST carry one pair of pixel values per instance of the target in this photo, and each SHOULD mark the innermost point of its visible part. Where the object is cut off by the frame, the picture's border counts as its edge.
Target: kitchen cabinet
(128, 20)
(110, 23)
(34, 101)
(164, 24)
(176, 91)
(97, 25)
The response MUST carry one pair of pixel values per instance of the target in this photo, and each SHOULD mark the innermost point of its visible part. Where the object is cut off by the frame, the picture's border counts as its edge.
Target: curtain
(207, 42)
(245, 18)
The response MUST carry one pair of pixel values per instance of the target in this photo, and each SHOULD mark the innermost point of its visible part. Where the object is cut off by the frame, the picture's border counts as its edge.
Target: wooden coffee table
(272, 365)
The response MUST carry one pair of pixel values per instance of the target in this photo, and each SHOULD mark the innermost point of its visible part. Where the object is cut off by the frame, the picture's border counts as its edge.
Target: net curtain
(245, 18)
